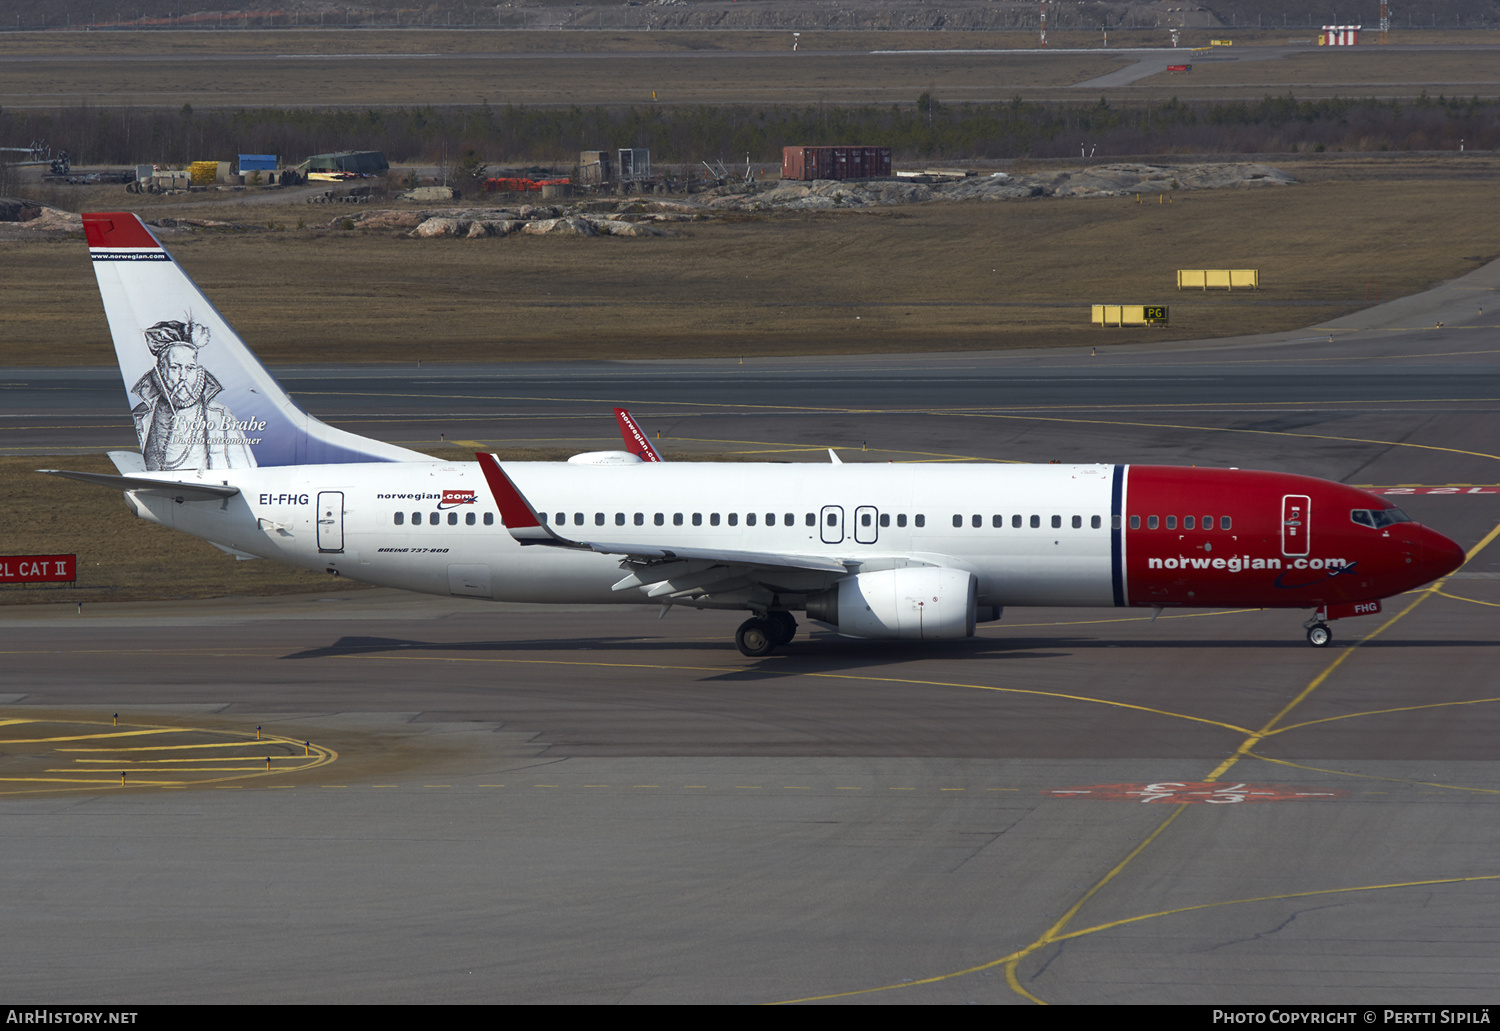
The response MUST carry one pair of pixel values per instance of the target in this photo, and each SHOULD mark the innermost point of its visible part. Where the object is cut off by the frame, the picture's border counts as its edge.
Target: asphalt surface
(502, 803)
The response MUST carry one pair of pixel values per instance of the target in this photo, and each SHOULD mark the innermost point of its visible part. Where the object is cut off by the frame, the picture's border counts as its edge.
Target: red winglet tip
(117, 230)
(515, 513)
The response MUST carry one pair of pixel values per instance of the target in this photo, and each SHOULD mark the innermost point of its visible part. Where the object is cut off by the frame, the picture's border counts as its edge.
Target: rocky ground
(653, 216)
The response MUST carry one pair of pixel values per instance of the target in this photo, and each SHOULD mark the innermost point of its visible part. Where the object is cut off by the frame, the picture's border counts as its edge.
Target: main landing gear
(1318, 635)
(760, 635)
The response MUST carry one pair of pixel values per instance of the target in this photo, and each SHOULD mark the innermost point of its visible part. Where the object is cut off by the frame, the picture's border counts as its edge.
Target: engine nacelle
(919, 602)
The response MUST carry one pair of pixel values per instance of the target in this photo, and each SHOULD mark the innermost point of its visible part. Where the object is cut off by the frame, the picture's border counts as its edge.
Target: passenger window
(770, 518)
(489, 519)
(958, 520)
(676, 518)
(598, 518)
(1224, 523)
(452, 518)
(1036, 521)
(1135, 522)
(1056, 522)
(1015, 521)
(435, 518)
(400, 518)
(659, 519)
(1187, 522)
(1151, 522)
(812, 520)
(1171, 522)
(620, 518)
(864, 519)
(1078, 522)
(562, 519)
(790, 520)
(901, 519)
(697, 518)
(920, 520)
(1095, 522)
(416, 519)
(976, 521)
(749, 518)
(468, 518)
(577, 518)
(1208, 522)
(832, 519)
(885, 520)
(734, 519)
(640, 519)
(997, 521)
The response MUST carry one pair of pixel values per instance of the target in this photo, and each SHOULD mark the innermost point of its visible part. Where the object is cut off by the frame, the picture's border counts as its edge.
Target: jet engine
(919, 602)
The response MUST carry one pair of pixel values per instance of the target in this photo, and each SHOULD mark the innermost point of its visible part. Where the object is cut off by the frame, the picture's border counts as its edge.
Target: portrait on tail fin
(178, 422)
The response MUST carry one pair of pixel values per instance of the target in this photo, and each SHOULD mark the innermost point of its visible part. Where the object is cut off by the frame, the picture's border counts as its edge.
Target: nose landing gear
(1318, 635)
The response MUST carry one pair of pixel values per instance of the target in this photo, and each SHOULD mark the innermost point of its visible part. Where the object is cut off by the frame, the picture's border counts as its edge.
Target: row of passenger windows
(1188, 522)
(811, 519)
(716, 519)
(436, 518)
(1035, 522)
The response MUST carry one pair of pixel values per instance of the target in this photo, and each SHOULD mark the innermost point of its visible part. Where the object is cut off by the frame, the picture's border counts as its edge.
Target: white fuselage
(434, 527)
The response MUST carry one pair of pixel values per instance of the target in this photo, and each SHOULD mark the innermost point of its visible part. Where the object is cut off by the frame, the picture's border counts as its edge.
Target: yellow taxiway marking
(272, 755)
(92, 737)
(828, 676)
(1370, 776)
(1236, 429)
(1058, 931)
(1471, 601)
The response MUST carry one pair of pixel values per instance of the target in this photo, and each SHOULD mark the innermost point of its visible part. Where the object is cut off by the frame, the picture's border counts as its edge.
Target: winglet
(515, 511)
(636, 441)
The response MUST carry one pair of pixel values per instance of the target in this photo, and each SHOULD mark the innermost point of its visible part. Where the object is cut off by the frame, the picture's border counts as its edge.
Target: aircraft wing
(662, 570)
(177, 488)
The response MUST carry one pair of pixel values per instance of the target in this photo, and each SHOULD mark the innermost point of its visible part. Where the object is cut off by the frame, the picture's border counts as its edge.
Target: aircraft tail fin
(199, 397)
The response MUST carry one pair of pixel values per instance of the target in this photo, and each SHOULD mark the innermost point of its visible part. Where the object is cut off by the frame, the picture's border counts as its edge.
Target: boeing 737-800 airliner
(888, 551)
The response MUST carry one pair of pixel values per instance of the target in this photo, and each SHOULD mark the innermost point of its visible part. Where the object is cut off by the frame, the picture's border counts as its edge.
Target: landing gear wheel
(755, 637)
(1318, 635)
(783, 627)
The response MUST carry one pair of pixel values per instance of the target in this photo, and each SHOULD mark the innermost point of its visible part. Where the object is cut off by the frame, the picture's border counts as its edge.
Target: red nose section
(1439, 555)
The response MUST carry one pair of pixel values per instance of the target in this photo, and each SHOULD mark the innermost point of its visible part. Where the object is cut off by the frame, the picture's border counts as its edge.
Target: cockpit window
(1376, 518)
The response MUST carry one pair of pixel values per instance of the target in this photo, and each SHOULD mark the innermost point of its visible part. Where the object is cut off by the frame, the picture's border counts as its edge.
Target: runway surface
(313, 74)
(453, 801)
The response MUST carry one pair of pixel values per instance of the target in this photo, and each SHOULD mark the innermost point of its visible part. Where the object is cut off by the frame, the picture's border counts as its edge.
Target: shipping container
(594, 167)
(835, 162)
(257, 163)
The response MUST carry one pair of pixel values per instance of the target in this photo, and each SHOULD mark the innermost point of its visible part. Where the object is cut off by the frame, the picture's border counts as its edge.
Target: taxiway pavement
(594, 805)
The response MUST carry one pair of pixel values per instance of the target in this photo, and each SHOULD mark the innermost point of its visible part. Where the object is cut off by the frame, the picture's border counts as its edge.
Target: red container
(807, 163)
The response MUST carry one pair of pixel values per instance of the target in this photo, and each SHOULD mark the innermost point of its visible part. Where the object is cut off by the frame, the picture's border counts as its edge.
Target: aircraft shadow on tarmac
(842, 652)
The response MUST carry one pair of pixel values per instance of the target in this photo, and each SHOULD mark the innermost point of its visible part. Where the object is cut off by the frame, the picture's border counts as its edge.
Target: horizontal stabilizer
(185, 491)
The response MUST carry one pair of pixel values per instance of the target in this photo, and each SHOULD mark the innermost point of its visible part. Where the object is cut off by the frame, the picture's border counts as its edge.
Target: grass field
(919, 277)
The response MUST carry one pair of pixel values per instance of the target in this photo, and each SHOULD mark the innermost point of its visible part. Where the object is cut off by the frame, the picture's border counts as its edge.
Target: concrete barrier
(1219, 279)
(1129, 314)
